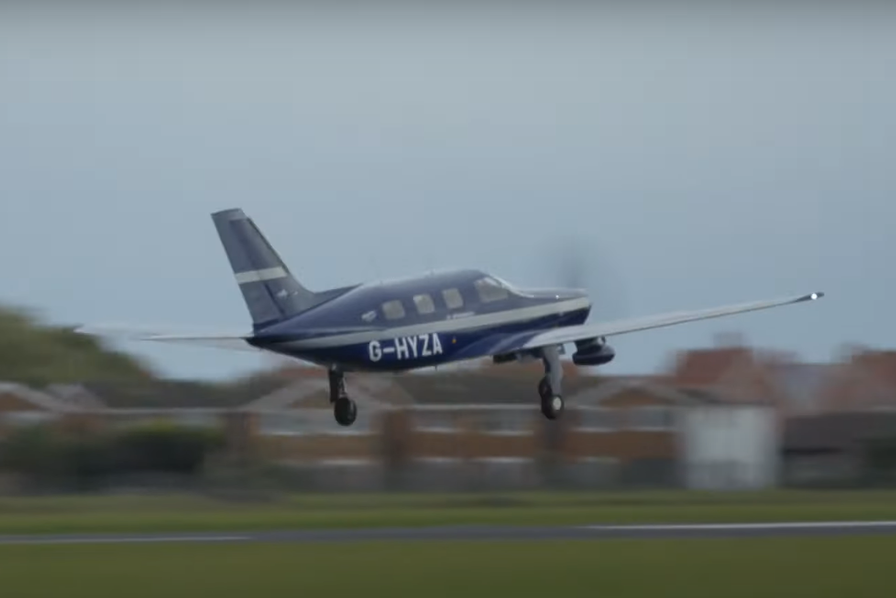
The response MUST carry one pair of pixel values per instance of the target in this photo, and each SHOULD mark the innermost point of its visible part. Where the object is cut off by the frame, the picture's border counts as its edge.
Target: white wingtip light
(815, 296)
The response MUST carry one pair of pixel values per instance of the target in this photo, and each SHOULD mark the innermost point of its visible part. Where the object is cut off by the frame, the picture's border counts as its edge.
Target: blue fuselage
(422, 322)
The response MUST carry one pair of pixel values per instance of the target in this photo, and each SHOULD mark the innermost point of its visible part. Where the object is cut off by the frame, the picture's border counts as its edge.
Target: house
(639, 430)
(482, 426)
(623, 431)
(744, 374)
(864, 380)
(75, 395)
(804, 385)
(830, 449)
(470, 427)
(21, 405)
(294, 426)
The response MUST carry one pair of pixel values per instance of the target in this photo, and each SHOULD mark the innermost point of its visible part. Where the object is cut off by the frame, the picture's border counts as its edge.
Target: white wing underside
(569, 334)
(556, 336)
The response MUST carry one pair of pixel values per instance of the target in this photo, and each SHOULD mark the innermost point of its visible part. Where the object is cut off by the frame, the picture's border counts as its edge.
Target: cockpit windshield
(490, 289)
(503, 283)
(510, 288)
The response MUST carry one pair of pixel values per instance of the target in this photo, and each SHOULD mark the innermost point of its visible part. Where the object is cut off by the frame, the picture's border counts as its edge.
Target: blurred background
(665, 157)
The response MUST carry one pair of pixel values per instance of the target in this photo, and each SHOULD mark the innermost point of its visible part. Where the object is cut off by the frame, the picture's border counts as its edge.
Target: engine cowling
(593, 352)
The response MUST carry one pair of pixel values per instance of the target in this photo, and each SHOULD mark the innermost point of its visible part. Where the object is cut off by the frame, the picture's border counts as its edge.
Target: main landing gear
(549, 388)
(344, 409)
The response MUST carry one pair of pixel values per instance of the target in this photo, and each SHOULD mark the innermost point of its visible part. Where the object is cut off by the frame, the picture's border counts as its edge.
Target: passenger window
(393, 310)
(424, 304)
(453, 298)
(490, 290)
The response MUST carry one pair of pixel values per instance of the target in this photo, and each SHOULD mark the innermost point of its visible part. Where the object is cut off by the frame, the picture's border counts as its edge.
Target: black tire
(544, 389)
(552, 407)
(345, 411)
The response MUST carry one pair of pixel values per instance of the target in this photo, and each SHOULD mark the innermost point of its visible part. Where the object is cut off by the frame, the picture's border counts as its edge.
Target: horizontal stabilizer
(231, 341)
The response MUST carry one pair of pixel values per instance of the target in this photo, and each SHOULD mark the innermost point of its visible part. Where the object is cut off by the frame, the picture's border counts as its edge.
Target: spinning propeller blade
(580, 264)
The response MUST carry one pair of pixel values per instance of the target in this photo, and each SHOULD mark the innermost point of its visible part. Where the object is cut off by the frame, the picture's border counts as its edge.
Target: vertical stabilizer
(270, 291)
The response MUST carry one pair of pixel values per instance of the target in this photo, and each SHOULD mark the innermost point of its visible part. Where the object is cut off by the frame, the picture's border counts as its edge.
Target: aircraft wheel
(552, 406)
(544, 389)
(345, 410)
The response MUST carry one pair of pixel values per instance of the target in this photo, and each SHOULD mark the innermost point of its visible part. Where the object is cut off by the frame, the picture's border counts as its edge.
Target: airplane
(425, 321)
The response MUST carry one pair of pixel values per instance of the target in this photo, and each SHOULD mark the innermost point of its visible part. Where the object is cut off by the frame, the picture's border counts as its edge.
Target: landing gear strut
(344, 409)
(550, 386)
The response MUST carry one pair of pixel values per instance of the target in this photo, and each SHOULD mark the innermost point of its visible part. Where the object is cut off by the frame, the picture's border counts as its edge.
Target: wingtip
(815, 296)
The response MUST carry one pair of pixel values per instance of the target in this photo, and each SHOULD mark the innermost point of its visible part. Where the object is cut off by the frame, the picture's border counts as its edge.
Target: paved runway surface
(719, 530)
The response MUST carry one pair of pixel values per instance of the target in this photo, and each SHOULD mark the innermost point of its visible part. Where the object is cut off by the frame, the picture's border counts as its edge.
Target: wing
(571, 334)
(232, 341)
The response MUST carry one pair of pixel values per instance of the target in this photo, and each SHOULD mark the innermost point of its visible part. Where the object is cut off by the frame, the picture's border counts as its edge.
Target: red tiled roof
(704, 367)
(880, 364)
(867, 380)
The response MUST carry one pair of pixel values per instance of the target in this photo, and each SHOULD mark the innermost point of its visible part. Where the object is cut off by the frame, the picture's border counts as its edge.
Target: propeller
(581, 263)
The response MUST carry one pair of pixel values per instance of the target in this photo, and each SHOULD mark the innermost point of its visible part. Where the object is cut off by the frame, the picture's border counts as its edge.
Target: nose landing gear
(549, 388)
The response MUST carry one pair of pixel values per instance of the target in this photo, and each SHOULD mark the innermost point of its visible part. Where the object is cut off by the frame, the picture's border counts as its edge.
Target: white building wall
(729, 447)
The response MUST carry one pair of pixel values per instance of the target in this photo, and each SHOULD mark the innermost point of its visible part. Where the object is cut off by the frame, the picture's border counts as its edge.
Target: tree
(37, 355)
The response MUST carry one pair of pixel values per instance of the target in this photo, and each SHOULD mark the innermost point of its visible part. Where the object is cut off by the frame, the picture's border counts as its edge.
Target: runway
(592, 532)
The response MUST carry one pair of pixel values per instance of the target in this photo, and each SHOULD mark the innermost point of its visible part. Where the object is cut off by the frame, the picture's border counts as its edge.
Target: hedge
(43, 454)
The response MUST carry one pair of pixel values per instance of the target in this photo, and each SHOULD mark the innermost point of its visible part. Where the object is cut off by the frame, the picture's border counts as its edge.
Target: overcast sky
(694, 159)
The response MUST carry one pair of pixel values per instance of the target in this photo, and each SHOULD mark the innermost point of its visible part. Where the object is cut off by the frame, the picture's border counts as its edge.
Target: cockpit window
(393, 310)
(490, 290)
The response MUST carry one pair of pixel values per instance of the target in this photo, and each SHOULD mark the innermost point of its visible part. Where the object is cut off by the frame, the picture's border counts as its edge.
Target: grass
(192, 513)
(743, 568)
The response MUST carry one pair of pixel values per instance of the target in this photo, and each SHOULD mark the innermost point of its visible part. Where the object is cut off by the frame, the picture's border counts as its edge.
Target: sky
(683, 158)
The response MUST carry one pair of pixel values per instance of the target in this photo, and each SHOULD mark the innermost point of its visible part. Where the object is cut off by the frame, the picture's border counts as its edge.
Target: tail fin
(270, 291)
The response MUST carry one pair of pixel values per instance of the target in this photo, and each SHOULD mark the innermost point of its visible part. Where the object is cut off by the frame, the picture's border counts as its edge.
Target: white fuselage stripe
(451, 325)
(260, 275)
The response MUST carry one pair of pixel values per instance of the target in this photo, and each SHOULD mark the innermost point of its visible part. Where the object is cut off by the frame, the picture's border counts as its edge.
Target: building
(642, 432)
(864, 380)
(21, 405)
(831, 449)
(715, 420)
